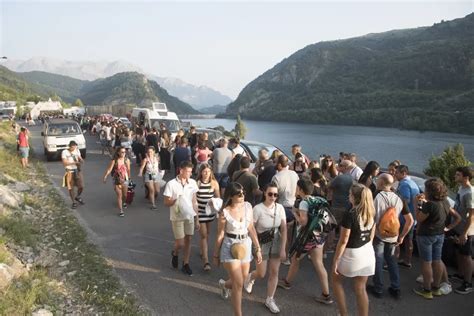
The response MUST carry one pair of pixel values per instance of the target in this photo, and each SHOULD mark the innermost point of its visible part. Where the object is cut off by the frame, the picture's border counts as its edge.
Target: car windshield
(254, 148)
(172, 126)
(63, 129)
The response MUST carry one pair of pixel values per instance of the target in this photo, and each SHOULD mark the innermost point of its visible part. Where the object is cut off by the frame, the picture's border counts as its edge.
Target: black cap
(72, 143)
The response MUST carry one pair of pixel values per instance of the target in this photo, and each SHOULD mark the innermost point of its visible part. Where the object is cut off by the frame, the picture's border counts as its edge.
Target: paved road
(139, 247)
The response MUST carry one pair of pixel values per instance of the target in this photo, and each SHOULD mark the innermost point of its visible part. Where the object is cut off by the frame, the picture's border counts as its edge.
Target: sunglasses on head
(271, 194)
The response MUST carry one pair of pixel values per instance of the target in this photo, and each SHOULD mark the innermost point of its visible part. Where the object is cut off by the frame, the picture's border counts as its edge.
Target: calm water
(370, 143)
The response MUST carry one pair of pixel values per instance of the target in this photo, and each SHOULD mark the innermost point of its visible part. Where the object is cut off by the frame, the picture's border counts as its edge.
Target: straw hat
(238, 251)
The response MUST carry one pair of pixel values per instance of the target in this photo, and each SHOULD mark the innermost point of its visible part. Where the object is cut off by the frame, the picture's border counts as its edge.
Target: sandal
(79, 199)
(74, 205)
(207, 266)
(121, 214)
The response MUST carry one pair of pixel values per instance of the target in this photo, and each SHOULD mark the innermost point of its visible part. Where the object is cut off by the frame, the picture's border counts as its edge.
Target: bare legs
(185, 244)
(204, 234)
(237, 273)
(361, 294)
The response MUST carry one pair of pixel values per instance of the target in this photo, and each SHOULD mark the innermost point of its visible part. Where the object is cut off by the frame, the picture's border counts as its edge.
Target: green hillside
(419, 79)
(69, 89)
(123, 88)
(131, 88)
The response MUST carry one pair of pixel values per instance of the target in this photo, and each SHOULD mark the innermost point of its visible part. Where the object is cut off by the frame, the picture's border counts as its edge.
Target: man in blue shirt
(408, 190)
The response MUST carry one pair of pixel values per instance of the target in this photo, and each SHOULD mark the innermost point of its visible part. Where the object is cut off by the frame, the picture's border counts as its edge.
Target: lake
(383, 145)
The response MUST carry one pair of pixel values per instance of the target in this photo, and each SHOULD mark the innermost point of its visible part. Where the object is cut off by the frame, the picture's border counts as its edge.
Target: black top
(152, 140)
(358, 237)
(435, 222)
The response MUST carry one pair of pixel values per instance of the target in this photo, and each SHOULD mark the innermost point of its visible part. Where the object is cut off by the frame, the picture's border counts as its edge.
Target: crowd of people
(281, 209)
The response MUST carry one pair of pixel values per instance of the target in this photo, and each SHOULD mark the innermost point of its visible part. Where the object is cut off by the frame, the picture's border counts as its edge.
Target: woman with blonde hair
(208, 188)
(354, 257)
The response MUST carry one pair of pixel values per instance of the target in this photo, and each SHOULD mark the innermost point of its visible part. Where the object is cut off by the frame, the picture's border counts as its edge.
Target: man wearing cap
(72, 161)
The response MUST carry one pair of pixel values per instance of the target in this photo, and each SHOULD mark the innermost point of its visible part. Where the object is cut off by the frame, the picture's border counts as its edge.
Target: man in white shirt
(72, 160)
(355, 171)
(183, 228)
(286, 179)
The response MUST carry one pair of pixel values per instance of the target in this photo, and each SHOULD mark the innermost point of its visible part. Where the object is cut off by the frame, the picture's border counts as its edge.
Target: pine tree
(240, 129)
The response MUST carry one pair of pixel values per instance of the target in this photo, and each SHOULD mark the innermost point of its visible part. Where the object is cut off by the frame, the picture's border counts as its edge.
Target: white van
(57, 133)
(156, 115)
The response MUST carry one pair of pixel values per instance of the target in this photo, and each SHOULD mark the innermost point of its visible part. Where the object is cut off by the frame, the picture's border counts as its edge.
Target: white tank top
(236, 227)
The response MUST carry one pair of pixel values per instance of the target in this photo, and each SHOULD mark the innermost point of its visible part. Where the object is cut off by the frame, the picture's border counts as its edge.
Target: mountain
(69, 89)
(198, 96)
(216, 109)
(122, 88)
(419, 79)
(131, 88)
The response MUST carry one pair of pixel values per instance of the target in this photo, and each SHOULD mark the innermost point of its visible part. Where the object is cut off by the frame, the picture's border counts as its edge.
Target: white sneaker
(419, 279)
(445, 288)
(271, 305)
(286, 262)
(225, 292)
(248, 285)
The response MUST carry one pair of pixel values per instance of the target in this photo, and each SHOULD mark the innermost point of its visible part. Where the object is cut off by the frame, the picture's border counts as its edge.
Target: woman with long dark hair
(320, 183)
(208, 188)
(368, 175)
(235, 235)
(354, 257)
(328, 168)
(119, 166)
(269, 219)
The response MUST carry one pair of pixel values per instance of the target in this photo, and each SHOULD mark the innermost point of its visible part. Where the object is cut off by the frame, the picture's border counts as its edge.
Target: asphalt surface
(139, 246)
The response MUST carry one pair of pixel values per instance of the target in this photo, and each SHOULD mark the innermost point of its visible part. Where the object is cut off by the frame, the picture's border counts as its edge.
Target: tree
(78, 103)
(240, 130)
(444, 166)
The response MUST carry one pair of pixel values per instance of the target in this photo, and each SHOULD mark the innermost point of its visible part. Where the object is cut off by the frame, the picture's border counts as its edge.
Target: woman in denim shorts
(235, 225)
(431, 215)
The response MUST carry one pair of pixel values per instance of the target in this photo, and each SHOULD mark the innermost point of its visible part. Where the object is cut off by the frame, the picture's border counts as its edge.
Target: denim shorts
(289, 214)
(430, 247)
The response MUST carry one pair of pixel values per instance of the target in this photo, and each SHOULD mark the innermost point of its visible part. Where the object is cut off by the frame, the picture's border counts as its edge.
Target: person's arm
(469, 224)
(341, 246)
(301, 217)
(457, 220)
(253, 236)
(217, 191)
(409, 221)
(169, 201)
(109, 169)
(283, 237)
(221, 221)
(66, 163)
(196, 217)
(142, 166)
(127, 163)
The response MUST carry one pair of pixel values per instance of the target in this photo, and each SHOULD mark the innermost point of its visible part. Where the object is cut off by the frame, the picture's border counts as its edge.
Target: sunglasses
(123, 152)
(240, 194)
(271, 194)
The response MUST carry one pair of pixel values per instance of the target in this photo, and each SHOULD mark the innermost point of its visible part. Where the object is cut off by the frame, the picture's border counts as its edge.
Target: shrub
(444, 166)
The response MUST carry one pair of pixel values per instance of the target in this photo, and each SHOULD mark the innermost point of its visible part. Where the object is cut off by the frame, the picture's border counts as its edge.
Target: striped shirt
(203, 195)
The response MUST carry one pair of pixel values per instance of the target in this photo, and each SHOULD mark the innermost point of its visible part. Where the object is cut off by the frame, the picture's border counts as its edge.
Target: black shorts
(467, 248)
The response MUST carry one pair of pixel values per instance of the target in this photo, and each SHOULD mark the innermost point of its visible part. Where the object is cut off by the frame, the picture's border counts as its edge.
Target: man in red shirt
(23, 146)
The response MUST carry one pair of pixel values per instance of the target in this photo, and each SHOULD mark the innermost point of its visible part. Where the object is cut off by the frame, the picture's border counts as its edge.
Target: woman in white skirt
(354, 257)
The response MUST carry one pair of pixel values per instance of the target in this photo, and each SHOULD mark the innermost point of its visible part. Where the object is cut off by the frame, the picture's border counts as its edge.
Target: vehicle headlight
(51, 146)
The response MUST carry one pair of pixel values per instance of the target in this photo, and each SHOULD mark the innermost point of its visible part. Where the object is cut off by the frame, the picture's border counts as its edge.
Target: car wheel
(49, 157)
(83, 153)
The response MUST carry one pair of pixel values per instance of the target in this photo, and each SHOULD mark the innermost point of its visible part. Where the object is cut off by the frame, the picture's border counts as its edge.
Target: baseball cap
(72, 143)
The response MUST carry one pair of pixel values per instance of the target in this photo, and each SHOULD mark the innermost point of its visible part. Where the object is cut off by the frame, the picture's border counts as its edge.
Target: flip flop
(74, 205)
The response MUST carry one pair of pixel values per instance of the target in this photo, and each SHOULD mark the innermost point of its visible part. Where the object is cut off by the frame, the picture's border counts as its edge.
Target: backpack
(389, 225)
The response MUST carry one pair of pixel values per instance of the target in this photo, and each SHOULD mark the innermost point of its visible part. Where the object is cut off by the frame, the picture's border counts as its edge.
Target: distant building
(7, 108)
(48, 106)
(75, 110)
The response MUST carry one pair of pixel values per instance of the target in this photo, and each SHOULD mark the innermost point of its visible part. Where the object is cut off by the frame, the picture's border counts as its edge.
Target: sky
(220, 44)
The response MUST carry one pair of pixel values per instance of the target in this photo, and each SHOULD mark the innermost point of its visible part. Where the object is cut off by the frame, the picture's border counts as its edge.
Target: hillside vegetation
(420, 79)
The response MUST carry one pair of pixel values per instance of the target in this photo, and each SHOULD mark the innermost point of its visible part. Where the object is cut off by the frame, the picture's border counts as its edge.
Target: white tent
(39, 107)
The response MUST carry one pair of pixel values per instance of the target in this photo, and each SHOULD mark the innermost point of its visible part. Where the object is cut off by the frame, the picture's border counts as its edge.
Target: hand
(139, 175)
(462, 239)
(334, 268)
(400, 240)
(197, 226)
(105, 179)
(259, 257)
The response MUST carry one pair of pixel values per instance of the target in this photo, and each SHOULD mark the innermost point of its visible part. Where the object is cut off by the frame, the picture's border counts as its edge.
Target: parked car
(125, 121)
(214, 135)
(57, 133)
(252, 148)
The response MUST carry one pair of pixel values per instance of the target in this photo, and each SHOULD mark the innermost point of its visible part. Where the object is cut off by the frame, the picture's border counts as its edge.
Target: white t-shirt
(239, 150)
(267, 218)
(356, 172)
(382, 202)
(71, 157)
(107, 132)
(286, 181)
(174, 189)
